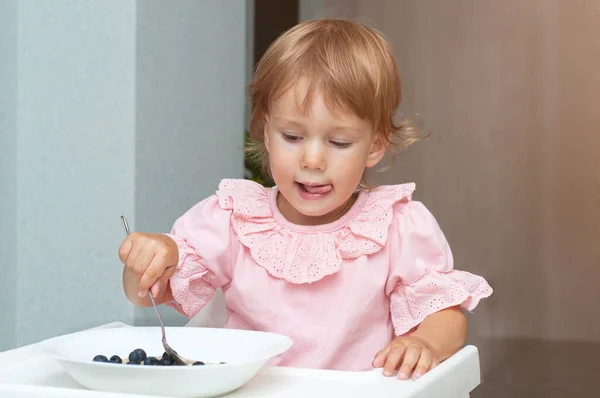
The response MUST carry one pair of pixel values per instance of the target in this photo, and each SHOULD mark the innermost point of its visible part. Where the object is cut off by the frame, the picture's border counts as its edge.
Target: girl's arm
(445, 331)
(438, 337)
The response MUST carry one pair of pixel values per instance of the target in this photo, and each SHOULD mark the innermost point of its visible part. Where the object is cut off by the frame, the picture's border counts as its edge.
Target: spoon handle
(125, 225)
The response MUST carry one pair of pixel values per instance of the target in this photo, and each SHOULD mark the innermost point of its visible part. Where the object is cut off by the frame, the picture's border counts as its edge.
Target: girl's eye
(338, 144)
(290, 137)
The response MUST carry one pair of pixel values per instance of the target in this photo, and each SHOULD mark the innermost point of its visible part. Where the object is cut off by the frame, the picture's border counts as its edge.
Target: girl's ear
(377, 152)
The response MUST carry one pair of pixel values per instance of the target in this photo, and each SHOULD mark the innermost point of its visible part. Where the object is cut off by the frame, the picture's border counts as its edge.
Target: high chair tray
(26, 373)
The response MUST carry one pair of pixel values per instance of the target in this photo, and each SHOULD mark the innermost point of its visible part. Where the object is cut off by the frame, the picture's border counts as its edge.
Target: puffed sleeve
(422, 277)
(207, 248)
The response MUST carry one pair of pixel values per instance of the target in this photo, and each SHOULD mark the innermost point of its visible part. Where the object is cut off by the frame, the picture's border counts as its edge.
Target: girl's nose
(313, 156)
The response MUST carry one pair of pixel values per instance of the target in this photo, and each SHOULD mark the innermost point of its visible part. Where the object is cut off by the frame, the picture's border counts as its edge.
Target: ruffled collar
(308, 253)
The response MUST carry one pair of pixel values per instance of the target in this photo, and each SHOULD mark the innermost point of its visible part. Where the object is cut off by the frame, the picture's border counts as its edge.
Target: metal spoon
(171, 352)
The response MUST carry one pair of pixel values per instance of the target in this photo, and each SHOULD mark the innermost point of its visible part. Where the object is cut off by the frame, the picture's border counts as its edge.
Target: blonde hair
(351, 64)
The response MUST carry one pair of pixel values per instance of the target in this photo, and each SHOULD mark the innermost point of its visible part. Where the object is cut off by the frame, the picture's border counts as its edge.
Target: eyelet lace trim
(411, 304)
(305, 257)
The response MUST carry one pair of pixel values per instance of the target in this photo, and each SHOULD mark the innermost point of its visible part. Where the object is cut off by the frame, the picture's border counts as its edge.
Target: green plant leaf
(253, 170)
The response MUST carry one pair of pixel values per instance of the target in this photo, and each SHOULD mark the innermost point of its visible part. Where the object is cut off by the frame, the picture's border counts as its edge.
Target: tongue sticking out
(317, 189)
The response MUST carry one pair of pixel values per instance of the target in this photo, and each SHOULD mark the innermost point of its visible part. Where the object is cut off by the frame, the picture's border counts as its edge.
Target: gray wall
(8, 171)
(115, 107)
(191, 76)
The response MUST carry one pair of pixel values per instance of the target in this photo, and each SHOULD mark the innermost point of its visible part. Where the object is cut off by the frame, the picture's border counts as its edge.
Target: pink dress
(340, 291)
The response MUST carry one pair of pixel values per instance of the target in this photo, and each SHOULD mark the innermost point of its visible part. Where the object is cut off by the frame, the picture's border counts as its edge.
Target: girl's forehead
(304, 100)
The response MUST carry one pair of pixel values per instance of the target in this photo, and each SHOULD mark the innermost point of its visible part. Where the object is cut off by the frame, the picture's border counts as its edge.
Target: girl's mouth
(314, 191)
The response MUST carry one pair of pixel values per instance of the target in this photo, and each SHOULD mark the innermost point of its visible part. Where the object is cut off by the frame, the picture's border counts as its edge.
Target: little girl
(358, 277)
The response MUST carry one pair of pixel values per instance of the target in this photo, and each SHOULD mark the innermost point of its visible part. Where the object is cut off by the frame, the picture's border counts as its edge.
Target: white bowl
(244, 352)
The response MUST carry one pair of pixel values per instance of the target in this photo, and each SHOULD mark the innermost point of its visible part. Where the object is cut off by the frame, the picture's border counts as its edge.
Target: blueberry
(133, 363)
(115, 359)
(198, 363)
(166, 361)
(100, 358)
(150, 361)
(138, 355)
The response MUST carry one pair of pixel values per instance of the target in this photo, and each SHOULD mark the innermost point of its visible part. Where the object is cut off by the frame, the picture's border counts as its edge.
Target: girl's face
(317, 159)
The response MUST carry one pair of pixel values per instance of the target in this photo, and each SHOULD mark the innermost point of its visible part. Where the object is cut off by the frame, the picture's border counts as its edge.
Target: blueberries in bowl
(150, 361)
(166, 360)
(139, 357)
(115, 359)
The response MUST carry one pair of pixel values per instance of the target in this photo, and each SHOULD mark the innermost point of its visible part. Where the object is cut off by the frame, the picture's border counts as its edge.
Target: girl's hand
(150, 260)
(411, 355)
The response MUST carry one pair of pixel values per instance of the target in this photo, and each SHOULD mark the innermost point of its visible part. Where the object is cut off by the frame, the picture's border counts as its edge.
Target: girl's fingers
(143, 260)
(125, 250)
(132, 259)
(161, 284)
(424, 364)
(393, 358)
(381, 356)
(411, 357)
(155, 289)
(150, 275)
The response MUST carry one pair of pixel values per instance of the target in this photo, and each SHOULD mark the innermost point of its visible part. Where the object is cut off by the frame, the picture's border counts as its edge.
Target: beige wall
(511, 92)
